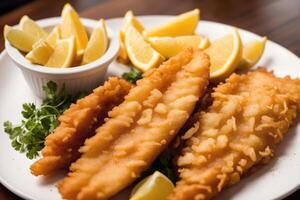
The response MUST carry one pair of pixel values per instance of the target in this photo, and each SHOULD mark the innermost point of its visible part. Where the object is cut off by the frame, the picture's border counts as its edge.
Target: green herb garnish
(38, 122)
(132, 76)
(162, 164)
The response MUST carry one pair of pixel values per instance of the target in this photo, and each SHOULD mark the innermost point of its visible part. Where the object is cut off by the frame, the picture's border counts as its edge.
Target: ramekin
(76, 79)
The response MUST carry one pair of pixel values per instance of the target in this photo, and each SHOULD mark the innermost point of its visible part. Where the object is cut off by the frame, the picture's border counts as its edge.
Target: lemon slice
(225, 55)
(139, 51)
(40, 52)
(97, 44)
(157, 186)
(64, 53)
(6, 29)
(129, 20)
(184, 24)
(170, 46)
(32, 28)
(71, 25)
(252, 52)
(20, 39)
(53, 36)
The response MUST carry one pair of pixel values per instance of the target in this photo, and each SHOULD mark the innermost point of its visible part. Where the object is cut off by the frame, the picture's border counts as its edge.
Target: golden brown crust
(250, 114)
(78, 123)
(139, 129)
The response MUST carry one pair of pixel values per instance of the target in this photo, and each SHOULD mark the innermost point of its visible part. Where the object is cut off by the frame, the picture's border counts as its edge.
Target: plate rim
(110, 20)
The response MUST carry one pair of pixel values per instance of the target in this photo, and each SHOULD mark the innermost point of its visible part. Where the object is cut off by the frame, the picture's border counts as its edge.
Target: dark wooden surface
(278, 19)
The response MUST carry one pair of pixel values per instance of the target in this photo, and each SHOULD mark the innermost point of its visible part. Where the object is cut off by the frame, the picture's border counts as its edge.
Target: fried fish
(139, 129)
(78, 123)
(249, 115)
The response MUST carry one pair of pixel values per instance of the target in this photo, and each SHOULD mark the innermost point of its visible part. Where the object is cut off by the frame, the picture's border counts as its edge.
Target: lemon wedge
(20, 39)
(32, 28)
(6, 29)
(141, 54)
(71, 25)
(129, 20)
(53, 36)
(78, 58)
(64, 53)
(184, 24)
(225, 54)
(97, 44)
(122, 55)
(40, 52)
(170, 46)
(157, 186)
(205, 43)
(252, 52)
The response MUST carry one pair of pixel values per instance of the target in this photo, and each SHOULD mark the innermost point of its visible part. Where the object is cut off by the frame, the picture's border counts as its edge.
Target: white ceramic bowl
(76, 79)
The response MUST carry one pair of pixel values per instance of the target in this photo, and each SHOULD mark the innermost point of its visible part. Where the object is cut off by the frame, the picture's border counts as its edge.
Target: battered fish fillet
(78, 123)
(250, 114)
(139, 129)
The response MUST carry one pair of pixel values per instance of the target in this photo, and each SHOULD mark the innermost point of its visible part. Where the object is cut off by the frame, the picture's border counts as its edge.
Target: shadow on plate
(52, 179)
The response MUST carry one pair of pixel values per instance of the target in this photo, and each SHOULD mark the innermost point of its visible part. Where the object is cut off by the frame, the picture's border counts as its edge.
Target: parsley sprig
(162, 164)
(38, 122)
(132, 76)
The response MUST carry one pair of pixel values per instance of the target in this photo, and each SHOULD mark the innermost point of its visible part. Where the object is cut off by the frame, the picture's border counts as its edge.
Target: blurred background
(7, 5)
(277, 19)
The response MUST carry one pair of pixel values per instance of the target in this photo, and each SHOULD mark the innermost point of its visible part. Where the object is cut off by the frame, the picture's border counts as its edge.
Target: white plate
(274, 181)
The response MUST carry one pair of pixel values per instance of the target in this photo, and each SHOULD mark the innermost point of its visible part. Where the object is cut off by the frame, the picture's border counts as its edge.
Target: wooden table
(278, 19)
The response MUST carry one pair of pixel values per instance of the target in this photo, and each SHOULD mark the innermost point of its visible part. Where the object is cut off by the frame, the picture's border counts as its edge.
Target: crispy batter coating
(78, 123)
(250, 114)
(139, 129)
